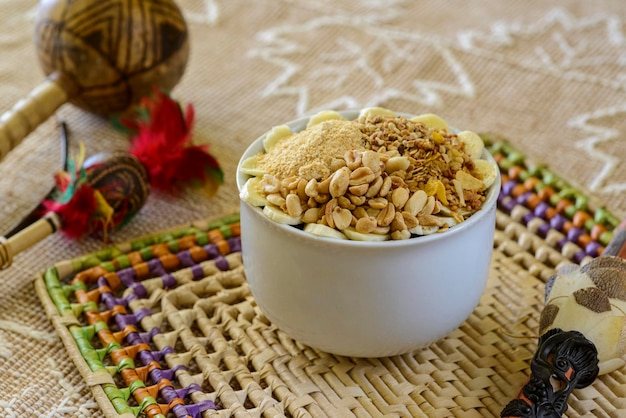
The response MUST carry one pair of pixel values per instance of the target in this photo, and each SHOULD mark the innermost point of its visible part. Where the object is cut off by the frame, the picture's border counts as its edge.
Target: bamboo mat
(166, 324)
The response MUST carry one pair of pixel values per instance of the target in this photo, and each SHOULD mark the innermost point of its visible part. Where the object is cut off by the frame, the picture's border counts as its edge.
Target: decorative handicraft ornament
(583, 332)
(103, 192)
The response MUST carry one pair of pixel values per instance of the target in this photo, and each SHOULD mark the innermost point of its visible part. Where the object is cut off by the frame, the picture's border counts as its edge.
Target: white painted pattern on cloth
(351, 58)
(555, 44)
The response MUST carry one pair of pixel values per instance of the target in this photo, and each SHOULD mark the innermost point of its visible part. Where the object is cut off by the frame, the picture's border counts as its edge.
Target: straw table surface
(165, 325)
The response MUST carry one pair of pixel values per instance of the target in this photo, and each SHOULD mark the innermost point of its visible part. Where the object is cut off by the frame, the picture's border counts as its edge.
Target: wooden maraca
(582, 332)
(100, 55)
(108, 189)
(114, 187)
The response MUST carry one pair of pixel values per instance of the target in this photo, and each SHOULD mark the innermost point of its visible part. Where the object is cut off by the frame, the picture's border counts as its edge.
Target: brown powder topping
(308, 154)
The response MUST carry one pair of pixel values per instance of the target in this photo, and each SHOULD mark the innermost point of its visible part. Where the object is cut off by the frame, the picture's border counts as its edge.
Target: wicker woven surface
(185, 336)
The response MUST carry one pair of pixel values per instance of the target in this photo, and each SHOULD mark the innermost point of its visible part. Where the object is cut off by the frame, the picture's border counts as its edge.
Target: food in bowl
(381, 176)
(360, 298)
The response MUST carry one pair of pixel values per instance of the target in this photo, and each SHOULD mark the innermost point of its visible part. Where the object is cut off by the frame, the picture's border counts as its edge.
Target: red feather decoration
(78, 214)
(162, 142)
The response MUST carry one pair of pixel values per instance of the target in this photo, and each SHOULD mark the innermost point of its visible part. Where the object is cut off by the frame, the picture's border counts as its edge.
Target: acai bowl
(367, 283)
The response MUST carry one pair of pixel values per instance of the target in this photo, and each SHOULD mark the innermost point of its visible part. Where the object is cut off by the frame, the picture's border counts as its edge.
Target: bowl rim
(298, 124)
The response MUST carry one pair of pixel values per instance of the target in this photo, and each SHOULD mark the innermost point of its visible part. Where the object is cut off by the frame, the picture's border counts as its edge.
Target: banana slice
(250, 192)
(486, 171)
(276, 134)
(466, 213)
(322, 116)
(353, 234)
(424, 230)
(448, 220)
(249, 166)
(444, 210)
(278, 216)
(431, 121)
(376, 111)
(474, 145)
(323, 231)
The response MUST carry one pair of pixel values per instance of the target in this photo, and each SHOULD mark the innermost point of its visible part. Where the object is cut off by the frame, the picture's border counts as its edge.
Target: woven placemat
(166, 326)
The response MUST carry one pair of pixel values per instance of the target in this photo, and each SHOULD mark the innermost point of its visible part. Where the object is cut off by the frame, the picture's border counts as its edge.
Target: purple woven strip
(127, 276)
(155, 266)
(185, 258)
(142, 313)
(222, 263)
(197, 272)
(235, 244)
(196, 410)
(169, 394)
(111, 301)
(169, 282)
(160, 374)
(147, 337)
(139, 290)
(212, 251)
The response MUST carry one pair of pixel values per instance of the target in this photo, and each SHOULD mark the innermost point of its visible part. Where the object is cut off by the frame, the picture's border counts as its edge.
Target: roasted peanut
(399, 197)
(356, 200)
(398, 224)
(275, 199)
(366, 224)
(399, 235)
(345, 203)
(311, 215)
(294, 208)
(341, 218)
(416, 202)
(386, 187)
(397, 164)
(374, 187)
(362, 175)
(270, 184)
(322, 198)
(377, 203)
(429, 220)
(353, 159)
(339, 182)
(360, 212)
(386, 215)
(359, 190)
(372, 212)
(301, 190)
(410, 220)
(311, 188)
(336, 164)
(429, 207)
(397, 181)
(381, 230)
(290, 183)
(323, 186)
(371, 160)
(328, 212)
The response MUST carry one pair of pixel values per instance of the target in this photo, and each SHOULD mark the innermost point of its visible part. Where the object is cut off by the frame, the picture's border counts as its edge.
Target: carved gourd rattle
(100, 55)
(103, 192)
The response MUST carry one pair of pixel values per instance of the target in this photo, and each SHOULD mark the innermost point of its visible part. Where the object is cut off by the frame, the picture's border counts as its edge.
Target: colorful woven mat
(165, 326)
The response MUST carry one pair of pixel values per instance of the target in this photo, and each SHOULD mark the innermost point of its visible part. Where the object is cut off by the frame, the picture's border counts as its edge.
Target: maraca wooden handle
(30, 112)
(28, 237)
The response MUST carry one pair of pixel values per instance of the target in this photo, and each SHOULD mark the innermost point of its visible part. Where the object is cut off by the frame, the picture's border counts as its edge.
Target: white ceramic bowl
(365, 299)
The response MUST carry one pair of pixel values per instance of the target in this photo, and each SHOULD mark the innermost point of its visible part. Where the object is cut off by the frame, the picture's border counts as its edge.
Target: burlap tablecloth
(549, 76)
